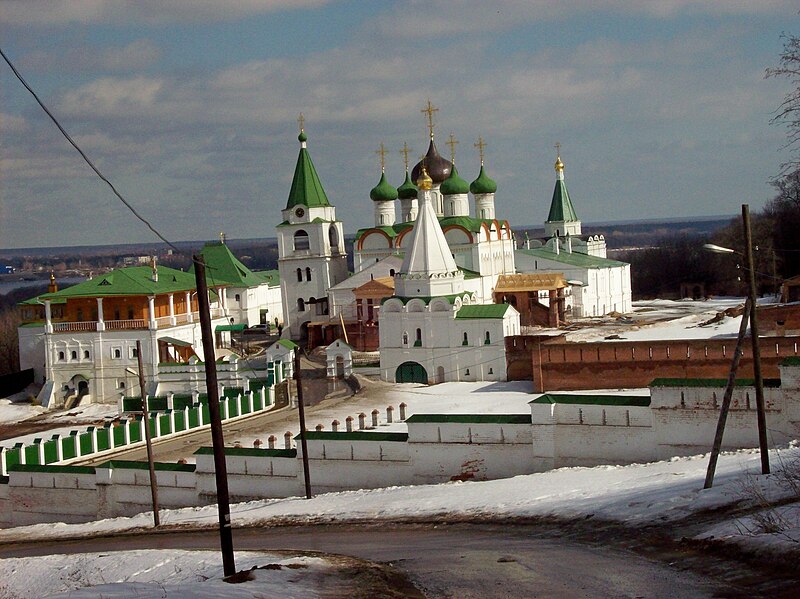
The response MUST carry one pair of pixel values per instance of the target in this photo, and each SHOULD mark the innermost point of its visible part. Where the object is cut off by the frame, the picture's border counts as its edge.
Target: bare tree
(788, 113)
(9, 341)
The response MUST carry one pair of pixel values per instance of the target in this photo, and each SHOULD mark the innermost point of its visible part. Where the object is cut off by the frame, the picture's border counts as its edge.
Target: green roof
(427, 299)
(133, 280)
(390, 230)
(483, 311)
(472, 418)
(250, 451)
(222, 267)
(596, 400)
(561, 209)
(712, 383)
(383, 192)
(407, 191)
(483, 184)
(272, 277)
(454, 184)
(287, 343)
(572, 258)
(791, 361)
(51, 468)
(306, 188)
(231, 327)
(354, 436)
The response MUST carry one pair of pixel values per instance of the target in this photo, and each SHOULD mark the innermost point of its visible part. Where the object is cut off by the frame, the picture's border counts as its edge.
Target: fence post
(39, 449)
(319, 427)
(76, 444)
(271, 441)
(59, 448)
(170, 400)
(93, 437)
(375, 414)
(335, 426)
(172, 420)
(126, 432)
(110, 430)
(287, 440)
(362, 421)
(389, 414)
(349, 424)
(403, 407)
(157, 418)
(3, 462)
(186, 418)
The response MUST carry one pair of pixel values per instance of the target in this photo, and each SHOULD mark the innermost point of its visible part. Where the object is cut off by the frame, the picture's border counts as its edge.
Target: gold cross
(405, 152)
(301, 119)
(452, 142)
(429, 110)
(558, 149)
(382, 154)
(480, 145)
(222, 237)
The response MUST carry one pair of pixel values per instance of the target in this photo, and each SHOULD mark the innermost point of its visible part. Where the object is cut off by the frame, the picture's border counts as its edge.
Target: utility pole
(759, 381)
(220, 468)
(147, 440)
(302, 413)
(726, 400)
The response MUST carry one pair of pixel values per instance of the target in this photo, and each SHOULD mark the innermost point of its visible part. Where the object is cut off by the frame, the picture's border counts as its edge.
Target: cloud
(134, 56)
(114, 97)
(128, 12)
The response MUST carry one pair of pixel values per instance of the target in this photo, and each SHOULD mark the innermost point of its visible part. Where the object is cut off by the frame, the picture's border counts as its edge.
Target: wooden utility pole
(147, 440)
(759, 381)
(726, 400)
(302, 413)
(220, 468)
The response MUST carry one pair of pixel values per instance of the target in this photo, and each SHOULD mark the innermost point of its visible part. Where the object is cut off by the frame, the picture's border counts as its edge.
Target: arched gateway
(411, 372)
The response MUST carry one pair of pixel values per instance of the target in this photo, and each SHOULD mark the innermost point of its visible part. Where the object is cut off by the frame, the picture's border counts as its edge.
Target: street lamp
(752, 300)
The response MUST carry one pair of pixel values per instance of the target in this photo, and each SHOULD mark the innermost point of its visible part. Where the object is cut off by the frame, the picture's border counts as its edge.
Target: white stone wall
(125, 491)
(37, 497)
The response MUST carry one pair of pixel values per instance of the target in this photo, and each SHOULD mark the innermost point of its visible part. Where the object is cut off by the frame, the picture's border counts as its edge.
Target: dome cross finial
(481, 145)
(382, 153)
(452, 142)
(559, 166)
(301, 120)
(429, 110)
(405, 152)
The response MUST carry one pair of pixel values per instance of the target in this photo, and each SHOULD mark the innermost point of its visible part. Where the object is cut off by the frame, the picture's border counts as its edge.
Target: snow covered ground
(642, 494)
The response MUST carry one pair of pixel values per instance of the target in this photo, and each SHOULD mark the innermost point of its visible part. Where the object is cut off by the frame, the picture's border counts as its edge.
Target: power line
(84, 156)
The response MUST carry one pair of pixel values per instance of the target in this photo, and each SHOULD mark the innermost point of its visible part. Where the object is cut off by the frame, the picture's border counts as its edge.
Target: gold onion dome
(424, 181)
(559, 166)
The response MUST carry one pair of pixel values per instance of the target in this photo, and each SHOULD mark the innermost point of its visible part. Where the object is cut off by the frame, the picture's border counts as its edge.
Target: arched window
(391, 272)
(308, 273)
(405, 338)
(74, 355)
(418, 338)
(301, 240)
(466, 339)
(333, 237)
(483, 213)
(86, 354)
(237, 297)
(299, 274)
(117, 353)
(61, 356)
(301, 305)
(383, 219)
(488, 339)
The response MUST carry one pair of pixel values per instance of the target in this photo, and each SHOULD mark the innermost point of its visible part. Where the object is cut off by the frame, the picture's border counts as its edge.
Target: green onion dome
(454, 184)
(407, 191)
(302, 136)
(383, 192)
(483, 184)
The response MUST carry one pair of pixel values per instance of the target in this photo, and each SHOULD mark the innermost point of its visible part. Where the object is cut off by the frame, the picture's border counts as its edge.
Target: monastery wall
(123, 488)
(52, 494)
(557, 365)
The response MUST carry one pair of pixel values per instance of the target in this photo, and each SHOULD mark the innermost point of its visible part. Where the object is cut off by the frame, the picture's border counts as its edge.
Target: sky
(190, 108)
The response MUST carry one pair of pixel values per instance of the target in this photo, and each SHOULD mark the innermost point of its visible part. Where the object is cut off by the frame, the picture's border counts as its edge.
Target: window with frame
(301, 241)
(116, 353)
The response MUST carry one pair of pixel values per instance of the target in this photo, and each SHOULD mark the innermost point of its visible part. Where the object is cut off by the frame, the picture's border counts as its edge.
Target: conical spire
(561, 209)
(306, 188)
(428, 266)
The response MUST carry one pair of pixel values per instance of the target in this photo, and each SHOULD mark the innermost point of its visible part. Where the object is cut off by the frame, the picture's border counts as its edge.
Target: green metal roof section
(471, 418)
(272, 277)
(454, 184)
(427, 299)
(383, 191)
(711, 383)
(306, 188)
(483, 311)
(561, 209)
(133, 280)
(468, 222)
(248, 451)
(222, 267)
(791, 361)
(390, 230)
(407, 191)
(638, 401)
(287, 343)
(355, 436)
(573, 258)
(483, 184)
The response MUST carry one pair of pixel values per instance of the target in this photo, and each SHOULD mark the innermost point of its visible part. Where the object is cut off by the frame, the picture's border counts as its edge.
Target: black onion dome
(438, 168)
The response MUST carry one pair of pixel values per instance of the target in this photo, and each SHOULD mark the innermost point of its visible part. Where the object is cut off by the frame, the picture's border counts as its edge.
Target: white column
(151, 312)
(101, 325)
(223, 299)
(189, 316)
(172, 320)
(48, 317)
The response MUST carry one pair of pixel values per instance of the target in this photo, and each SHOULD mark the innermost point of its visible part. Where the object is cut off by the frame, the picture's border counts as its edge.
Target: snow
(11, 412)
(159, 573)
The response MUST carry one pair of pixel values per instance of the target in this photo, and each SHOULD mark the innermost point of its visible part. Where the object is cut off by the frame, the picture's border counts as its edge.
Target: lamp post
(752, 297)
